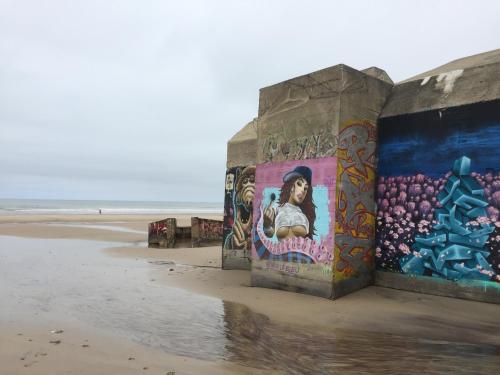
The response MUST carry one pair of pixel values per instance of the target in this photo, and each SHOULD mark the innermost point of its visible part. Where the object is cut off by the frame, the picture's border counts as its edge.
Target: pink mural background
(269, 177)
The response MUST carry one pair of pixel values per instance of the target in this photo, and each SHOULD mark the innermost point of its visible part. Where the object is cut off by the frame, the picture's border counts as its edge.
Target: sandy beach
(148, 145)
(123, 307)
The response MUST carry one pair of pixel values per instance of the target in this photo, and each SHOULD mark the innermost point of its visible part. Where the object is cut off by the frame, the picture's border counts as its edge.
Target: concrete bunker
(168, 234)
(321, 125)
(374, 217)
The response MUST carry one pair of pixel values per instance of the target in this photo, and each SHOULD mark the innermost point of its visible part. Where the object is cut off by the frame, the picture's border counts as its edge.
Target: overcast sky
(136, 99)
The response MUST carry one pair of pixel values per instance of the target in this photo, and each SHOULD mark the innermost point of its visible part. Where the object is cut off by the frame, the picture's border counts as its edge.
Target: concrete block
(162, 233)
(242, 147)
(205, 232)
(324, 121)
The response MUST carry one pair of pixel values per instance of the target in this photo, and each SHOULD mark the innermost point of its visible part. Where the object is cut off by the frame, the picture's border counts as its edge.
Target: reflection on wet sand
(57, 280)
(255, 341)
(60, 281)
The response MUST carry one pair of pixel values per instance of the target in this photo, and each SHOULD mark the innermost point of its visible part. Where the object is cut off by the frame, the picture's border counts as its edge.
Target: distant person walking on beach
(100, 211)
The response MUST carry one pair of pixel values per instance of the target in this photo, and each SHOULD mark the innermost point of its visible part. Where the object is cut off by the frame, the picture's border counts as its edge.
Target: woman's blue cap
(300, 171)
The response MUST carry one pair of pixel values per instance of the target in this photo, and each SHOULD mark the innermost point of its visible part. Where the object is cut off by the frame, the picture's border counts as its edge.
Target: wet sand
(33, 349)
(175, 310)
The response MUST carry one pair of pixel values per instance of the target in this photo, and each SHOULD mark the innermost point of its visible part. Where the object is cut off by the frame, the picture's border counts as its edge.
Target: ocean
(75, 207)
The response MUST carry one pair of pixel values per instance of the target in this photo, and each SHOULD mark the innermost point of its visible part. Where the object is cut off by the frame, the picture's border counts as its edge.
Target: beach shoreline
(373, 310)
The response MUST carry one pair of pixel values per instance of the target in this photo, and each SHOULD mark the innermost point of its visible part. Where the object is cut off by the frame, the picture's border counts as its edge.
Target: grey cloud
(136, 100)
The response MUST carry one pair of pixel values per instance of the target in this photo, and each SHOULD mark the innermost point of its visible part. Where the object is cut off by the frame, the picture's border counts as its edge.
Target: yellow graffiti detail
(355, 179)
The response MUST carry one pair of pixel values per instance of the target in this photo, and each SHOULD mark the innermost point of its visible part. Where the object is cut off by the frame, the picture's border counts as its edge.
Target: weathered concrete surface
(242, 147)
(276, 275)
(469, 80)
(472, 290)
(162, 233)
(236, 259)
(328, 113)
(378, 73)
(205, 232)
(481, 59)
(299, 118)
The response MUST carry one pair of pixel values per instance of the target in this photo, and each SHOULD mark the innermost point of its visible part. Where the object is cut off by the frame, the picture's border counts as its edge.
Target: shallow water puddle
(61, 279)
(257, 342)
(67, 280)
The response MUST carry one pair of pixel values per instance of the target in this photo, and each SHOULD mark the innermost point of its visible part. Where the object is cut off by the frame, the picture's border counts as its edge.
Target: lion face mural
(241, 209)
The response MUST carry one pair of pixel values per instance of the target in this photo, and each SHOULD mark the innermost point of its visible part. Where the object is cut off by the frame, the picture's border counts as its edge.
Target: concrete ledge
(236, 260)
(274, 279)
(352, 284)
(483, 291)
(472, 85)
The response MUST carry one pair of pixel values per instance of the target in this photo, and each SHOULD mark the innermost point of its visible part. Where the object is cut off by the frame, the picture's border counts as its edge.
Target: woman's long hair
(307, 206)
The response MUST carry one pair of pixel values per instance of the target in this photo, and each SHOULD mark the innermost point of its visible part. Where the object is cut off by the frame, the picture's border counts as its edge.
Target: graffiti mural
(205, 232)
(283, 146)
(293, 212)
(162, 233)
(210, 230)
(355, 211)
(238, 208)
(455, 246)
(438, 194)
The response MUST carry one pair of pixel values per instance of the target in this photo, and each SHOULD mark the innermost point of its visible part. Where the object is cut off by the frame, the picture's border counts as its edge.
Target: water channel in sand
(57, 280)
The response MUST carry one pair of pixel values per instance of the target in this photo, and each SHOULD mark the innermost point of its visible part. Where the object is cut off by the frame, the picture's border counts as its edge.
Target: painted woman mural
(293, 210)
(295, 215)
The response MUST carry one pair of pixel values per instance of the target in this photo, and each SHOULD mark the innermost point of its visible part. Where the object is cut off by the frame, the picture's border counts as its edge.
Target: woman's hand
(269, 216)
